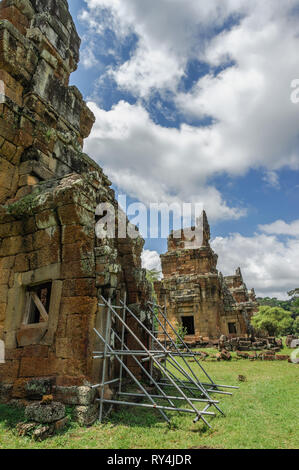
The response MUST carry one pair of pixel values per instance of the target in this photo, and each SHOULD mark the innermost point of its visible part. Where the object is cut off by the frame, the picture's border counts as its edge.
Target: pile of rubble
(292, 341)
(264, 356)
(44, 419)
(250, 344)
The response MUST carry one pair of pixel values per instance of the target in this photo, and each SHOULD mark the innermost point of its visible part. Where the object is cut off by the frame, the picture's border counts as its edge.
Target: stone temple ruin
(56, 275)
(53, 268)
(196, 295)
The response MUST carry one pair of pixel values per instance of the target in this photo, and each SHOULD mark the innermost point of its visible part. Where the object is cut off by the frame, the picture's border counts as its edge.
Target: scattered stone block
(281, 357)
(25, 429)
(75, 395)
(37, 388)
(5, 392)
(242, 378)
(269, 357)
(225, 355)
(242, 354)
(45, 413)
(289, 340)
(41, 433)
(61, 423)
(86, 415)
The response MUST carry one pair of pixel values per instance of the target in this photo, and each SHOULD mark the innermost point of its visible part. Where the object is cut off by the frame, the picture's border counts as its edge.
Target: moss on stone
(26, 205)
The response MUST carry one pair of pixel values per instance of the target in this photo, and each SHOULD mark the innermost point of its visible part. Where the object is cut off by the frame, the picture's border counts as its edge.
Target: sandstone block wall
(49, 191)
(196, 294)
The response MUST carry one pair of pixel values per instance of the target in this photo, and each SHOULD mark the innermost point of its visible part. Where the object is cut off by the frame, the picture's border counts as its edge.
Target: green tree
(274, 321)
(152, 275)
(182, 332)
(296, 326)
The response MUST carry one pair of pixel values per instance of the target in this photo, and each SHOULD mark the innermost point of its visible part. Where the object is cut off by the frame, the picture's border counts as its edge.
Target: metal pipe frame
(182, 340)
(212, 384)
(102, 400)
(158, 407)
(160, 366)
(145, 372)
(163, 397)
(174, 362)
(156, 357)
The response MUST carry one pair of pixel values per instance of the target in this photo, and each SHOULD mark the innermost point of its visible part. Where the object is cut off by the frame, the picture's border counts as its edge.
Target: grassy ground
(262, 414)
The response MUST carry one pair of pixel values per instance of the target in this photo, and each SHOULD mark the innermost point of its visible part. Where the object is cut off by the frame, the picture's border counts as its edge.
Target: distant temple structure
(195, 294)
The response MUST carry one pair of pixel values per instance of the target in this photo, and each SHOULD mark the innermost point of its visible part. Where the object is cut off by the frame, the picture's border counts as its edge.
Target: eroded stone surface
(86, 415)
(49, 190)
(192, 287)
(45, 413)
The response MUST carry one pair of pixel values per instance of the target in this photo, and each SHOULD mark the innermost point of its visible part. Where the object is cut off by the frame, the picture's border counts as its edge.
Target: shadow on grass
(145, 418)
(10, 416)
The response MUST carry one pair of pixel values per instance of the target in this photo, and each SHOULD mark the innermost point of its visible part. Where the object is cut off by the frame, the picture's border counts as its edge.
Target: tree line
(278, 317)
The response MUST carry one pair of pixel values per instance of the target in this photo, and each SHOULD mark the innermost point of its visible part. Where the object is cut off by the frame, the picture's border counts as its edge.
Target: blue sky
(192, 101)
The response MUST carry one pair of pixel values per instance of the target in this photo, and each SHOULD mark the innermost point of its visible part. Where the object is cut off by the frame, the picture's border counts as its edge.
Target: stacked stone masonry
(196, 295)
(49, 191)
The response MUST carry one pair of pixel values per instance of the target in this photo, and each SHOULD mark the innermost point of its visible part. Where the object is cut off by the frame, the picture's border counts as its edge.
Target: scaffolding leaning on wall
(176, 387)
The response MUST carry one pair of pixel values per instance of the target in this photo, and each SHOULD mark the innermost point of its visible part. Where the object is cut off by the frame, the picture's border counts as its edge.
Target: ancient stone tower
(53, 268)
(195, 293)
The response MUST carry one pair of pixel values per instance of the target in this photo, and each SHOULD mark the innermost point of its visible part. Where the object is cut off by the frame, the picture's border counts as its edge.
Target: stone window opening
(37, 304)
(188, 323)
(232, 329)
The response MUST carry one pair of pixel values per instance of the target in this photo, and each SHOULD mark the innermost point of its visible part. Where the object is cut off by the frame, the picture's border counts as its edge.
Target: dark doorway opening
(232, 328)
(188, 323)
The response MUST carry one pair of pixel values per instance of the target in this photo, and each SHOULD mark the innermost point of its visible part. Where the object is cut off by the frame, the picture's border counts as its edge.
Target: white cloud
(170, 33)
(149, 70)
(272, 179)
(267, 263)
(254, 122)
(279, 227)
(151, 260)
(156, 164)
(88, 57)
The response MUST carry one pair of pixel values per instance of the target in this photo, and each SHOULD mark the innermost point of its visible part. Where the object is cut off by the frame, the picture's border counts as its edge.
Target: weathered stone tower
(245, 301)
(196, 294)
(53, 268)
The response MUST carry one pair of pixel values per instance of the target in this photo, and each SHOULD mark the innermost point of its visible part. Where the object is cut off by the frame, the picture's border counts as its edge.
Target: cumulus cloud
(88, 58)
(255, 122)
(280, 227)
(156, 164)
(267, 263)
(151, 260)
(169, 33)
(246, 96)
(272, 179)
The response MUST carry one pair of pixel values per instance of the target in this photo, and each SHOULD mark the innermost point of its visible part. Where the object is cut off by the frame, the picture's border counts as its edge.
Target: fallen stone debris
(292, 341)
(250, 344)
(44, 418)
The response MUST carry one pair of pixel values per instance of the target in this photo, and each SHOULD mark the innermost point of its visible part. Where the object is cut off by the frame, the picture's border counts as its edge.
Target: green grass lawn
(262, 414)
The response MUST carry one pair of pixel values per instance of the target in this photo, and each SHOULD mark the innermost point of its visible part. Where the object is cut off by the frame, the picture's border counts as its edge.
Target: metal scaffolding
(178, 389)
